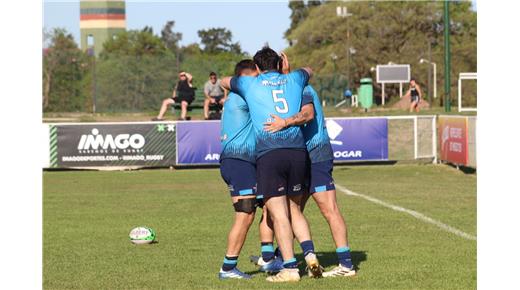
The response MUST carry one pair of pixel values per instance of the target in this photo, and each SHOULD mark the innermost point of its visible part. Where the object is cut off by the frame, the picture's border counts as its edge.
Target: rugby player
(281, 157)
(237, 167)
(321, 184)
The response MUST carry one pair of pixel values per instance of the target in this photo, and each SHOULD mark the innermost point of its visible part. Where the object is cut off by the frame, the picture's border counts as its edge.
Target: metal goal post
(465, 76)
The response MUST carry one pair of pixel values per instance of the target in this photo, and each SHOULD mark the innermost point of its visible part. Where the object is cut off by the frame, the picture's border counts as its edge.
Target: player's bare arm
(308, 70)
(277, 124)
(286, 68)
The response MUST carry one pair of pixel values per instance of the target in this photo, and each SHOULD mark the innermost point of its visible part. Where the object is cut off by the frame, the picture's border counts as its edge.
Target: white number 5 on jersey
(284, 108)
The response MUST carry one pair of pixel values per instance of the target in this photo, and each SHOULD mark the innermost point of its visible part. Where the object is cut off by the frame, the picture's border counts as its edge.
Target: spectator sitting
(214, 93)
(183, 93)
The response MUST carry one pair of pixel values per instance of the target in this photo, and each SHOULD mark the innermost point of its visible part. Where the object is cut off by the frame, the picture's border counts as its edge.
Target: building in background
(99, 21)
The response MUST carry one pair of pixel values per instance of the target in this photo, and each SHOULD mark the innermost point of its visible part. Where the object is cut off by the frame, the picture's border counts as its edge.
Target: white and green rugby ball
(142, 235)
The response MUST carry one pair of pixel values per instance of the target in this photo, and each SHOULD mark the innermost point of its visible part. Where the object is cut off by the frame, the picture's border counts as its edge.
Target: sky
(246, 19)
(252, 22)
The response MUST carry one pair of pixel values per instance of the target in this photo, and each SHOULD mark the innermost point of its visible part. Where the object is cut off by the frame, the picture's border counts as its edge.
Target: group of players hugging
(276, 153)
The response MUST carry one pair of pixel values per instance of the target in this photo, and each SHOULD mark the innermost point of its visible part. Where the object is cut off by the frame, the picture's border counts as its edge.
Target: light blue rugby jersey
(236, 130)
(315, 132)
(276, 94)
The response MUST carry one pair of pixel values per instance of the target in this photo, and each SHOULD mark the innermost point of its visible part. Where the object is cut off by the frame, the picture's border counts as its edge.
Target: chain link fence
(411, 138)
(330, 88)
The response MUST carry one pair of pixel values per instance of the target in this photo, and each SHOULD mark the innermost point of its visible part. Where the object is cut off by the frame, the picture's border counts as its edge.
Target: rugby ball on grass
(142, 235)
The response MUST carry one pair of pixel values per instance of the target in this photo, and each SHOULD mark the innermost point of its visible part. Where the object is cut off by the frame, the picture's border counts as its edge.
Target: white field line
(413, 213)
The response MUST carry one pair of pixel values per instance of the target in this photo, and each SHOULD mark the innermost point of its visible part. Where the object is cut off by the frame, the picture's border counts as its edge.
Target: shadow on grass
(328, 259)
(462, 168)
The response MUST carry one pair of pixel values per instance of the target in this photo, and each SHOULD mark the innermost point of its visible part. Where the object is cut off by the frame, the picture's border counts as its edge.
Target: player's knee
(329, 209)
(246, 205)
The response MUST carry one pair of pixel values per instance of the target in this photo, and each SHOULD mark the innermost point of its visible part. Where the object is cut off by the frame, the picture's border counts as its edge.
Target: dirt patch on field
(404, 104)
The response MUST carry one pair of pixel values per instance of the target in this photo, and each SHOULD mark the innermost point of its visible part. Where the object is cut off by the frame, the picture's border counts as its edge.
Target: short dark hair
(412, 79)
(243, 65)
(267, 59)
(212, 74)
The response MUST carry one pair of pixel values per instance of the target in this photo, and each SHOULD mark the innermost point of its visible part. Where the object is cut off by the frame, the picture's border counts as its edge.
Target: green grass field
(88, 215)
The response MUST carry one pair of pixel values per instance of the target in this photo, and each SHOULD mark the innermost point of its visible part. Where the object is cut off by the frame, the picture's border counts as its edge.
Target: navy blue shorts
(281, 172)
(321, 176)
(239, 175)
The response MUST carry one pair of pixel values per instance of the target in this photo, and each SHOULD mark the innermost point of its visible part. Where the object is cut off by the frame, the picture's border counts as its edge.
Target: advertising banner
(453, 132)
(359, 139)
(198, 143)
(93, 145)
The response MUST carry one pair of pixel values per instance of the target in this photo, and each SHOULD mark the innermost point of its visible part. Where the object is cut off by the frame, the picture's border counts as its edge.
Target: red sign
(453, 133)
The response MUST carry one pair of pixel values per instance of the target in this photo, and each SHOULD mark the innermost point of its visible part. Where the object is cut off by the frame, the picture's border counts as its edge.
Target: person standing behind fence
(214, 93)
(415, 94)
(183, 93)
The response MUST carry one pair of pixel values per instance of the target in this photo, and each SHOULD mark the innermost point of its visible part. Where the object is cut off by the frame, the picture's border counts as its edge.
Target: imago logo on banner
(115, 145)
(122, 141)
(453, 132)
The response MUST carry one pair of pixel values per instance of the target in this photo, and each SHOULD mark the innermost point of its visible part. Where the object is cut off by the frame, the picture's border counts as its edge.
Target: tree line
(378, 33)
(135, 70)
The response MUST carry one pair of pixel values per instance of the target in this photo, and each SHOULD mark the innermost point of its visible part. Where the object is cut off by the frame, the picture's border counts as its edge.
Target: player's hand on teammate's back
(276, 124)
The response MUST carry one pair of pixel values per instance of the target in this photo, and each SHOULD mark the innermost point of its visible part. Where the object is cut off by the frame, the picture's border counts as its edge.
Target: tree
(169, 38)
(218, 40)
(313, 3)
(382, 32)
(134, 42)
(134, 72)
(298, 13)
(64, 67)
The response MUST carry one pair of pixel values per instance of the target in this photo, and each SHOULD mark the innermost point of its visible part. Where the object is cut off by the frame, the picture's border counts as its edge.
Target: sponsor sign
(453, 133)
(198, 142)
(127, 144)
(358, 139)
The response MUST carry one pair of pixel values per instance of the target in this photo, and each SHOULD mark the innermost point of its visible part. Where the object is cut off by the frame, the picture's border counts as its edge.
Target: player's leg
(324, 194)
(266, 234)
(239, 175)
(279, 212)
(184, 109)
(417, 105)
(270, 259)
(326, 201)
(271, 177)
(296, 183)
(244, 216)
(164, 107)
(206, 108)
